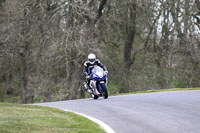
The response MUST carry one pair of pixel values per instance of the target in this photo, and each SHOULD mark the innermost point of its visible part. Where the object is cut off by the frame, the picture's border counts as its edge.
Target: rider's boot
(87, 87)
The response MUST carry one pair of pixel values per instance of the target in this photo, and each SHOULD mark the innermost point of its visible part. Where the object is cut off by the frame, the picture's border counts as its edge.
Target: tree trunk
(74, 78)
(128, 61)
(27, 95)
(2, 94)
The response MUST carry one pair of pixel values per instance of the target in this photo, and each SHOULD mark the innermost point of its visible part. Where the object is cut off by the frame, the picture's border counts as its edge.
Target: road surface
(162, 112)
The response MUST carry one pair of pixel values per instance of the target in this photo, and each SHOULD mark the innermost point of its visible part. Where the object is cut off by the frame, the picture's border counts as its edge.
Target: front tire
(104, 91)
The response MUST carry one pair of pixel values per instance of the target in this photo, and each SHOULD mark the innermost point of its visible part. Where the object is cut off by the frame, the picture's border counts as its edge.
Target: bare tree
(128, 61)
(27, 95)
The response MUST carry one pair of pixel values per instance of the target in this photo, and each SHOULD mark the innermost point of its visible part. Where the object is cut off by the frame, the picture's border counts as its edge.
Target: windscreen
(97, 69)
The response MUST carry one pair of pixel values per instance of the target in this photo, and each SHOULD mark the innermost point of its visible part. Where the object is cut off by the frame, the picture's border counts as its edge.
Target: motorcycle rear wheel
(94, 96)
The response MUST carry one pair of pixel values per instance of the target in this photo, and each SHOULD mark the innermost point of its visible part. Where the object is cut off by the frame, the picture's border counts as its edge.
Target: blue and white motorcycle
(98, 83)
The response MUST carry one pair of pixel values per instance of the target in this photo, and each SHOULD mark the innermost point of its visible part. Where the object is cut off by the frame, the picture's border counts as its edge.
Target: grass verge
(16, 118)
(160, 90)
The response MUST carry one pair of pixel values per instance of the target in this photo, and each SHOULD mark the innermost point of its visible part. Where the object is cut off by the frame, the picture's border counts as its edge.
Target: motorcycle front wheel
(104, 91)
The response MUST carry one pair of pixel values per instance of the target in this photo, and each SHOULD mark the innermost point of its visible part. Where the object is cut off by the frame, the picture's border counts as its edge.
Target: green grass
(160, 90)
(16, 118)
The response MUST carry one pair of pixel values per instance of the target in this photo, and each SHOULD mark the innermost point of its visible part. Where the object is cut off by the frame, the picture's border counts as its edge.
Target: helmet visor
(92, 60)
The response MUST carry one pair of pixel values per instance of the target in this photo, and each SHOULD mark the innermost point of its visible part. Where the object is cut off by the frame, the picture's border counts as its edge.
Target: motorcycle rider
(87, 69)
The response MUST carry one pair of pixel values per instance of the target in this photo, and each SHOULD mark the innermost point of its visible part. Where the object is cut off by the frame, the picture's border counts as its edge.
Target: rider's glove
(106, 72)
(87, 77)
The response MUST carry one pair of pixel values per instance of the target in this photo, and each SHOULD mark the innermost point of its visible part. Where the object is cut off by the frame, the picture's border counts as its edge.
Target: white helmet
(91, 58)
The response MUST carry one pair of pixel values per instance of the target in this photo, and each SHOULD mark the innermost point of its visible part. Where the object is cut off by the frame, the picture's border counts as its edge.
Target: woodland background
(145, 44)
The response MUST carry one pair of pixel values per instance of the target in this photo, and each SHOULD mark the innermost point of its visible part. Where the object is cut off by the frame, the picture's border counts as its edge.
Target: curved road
(163, 112)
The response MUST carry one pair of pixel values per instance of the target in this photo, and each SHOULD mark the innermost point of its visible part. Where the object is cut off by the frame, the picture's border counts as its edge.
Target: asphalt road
(163, 112)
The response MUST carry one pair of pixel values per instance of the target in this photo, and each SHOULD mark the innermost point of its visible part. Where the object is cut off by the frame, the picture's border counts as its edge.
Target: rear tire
(94, 96)
(104, 91)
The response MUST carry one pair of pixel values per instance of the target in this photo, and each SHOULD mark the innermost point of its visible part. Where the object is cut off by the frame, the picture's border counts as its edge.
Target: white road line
(101, 123)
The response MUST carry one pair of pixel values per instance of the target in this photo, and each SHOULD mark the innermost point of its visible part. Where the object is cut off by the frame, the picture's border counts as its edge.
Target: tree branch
(150, 31)
(99, 12)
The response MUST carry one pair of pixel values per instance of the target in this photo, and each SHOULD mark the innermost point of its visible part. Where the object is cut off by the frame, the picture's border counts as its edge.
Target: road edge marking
(101, 123)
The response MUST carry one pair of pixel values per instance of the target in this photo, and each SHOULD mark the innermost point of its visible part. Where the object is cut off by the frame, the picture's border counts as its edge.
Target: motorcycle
(98, 83)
